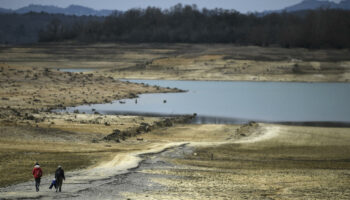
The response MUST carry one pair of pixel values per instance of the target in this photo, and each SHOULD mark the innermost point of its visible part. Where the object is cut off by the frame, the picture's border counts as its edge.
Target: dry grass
(188, 61)
(294, 148)
(27, 134)
(38, 88)
(67, 142)
(21, 147)
(292, 163)
(204, 183)
(192, 133)
(100, 125)
(18, 164)
(295, 163)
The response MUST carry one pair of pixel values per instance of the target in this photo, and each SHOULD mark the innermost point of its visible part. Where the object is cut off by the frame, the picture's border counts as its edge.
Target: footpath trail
(111, 179)
(82, 180)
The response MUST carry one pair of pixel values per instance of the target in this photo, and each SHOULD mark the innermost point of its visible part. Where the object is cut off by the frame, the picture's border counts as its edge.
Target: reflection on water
(235, 102)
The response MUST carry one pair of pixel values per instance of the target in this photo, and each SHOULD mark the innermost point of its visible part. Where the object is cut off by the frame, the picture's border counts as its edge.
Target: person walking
(37, 173)
(59, 176)
(53, 184)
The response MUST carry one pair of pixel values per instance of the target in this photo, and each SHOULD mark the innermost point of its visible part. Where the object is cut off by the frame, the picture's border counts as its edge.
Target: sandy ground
(188, 61)
(267, 162)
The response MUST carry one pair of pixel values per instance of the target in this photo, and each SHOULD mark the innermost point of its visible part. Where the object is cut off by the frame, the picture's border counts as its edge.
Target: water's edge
(324, 104)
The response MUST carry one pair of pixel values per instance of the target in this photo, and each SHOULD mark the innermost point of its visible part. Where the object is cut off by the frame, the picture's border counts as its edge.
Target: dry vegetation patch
(29, 133)
(292, 163)
(26, 88)
(189, 61)
(21, 146)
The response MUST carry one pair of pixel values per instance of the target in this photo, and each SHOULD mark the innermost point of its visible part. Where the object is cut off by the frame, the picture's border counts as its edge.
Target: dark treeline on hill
(323, 28)
(309, 29)
(25, 28)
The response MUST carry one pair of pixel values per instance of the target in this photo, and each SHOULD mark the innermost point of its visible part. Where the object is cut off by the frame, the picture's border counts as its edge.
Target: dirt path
(82, 184)
(265, 133)
(255, 161)
(84, 179)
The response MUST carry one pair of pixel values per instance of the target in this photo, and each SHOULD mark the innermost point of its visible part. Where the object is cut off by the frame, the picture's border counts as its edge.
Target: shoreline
(235, 80)
(227, 120)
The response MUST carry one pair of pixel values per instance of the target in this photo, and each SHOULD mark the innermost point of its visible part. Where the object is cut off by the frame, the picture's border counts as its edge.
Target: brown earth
(29, 133)
(260, 161)
(40, 89)
(188, 61)
(75, 141)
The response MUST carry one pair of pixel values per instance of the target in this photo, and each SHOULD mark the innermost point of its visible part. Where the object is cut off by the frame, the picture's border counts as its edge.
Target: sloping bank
(118, 135)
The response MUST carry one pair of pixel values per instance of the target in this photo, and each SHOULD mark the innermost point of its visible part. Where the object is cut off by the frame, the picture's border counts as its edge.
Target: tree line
(25, 28)
(323, 28)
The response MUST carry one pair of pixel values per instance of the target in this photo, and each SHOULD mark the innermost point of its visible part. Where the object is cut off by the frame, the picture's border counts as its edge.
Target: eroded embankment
(118, 135)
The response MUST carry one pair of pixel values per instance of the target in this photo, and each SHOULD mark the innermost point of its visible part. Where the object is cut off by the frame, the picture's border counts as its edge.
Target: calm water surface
(241, 101)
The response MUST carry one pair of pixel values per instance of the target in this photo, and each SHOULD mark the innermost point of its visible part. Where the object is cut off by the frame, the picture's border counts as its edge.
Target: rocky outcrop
(118, 135)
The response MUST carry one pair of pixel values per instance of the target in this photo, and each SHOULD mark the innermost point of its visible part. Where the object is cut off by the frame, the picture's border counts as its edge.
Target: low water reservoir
(234, 102)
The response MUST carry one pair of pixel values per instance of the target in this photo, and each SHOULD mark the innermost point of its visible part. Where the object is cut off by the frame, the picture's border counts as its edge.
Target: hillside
(313, 5)
(70, 10)
(25, 28)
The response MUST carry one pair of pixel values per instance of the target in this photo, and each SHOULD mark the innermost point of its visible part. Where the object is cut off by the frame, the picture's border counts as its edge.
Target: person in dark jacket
(37, 173)
(59, 176)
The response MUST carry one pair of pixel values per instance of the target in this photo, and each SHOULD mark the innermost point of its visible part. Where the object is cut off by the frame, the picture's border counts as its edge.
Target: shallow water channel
(237, 102)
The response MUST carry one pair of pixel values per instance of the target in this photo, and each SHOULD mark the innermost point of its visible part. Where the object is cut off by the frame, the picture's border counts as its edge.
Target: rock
(94, 140)
(168, 122)
(116, 132)
(132, 95)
